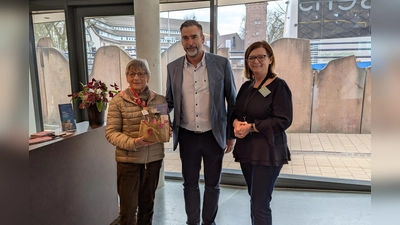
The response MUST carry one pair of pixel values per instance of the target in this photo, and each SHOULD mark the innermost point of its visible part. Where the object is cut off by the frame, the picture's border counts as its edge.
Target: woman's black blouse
(272, 115)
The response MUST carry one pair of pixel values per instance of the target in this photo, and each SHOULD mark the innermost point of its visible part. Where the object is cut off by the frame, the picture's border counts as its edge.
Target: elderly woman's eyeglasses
(141, 75)
(260, 58)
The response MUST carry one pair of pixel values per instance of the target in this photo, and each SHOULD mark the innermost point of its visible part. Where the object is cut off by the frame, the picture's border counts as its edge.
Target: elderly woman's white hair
(138, 63)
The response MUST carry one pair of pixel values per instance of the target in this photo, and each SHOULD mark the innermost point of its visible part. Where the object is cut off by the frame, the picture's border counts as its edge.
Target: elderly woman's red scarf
(136, 98)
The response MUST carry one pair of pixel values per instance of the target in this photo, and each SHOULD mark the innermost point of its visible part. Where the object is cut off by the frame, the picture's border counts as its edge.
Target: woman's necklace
(136, 98)
(257, 84)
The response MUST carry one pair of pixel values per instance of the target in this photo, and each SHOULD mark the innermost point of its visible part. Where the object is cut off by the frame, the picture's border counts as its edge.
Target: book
(162, 108)
(64, 134)
(67, 117)
(46, 133)
(39, 140)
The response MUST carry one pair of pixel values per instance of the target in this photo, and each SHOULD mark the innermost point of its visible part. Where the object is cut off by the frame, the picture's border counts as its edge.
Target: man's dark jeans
(193, 148)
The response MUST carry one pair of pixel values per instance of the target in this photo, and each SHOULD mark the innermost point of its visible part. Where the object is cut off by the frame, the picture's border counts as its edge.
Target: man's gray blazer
(222, 87)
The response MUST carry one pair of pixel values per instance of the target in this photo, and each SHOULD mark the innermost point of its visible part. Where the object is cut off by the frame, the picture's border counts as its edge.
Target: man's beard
(192, 52)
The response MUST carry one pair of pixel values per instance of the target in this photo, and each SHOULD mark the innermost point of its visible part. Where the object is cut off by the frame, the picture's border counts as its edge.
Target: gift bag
(154, 126)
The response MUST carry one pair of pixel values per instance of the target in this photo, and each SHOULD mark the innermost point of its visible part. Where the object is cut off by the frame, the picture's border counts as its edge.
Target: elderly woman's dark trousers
(260, 183)
(137, 184)
(193, 149)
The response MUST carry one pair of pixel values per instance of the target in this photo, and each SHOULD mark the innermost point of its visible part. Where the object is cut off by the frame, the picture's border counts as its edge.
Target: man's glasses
(141, 75)
(260, 58)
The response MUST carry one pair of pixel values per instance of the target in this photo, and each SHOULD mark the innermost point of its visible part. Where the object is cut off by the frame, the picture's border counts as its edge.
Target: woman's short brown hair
(259, 44)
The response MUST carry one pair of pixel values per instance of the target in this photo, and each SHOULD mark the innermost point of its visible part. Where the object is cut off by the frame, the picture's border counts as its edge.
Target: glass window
(52, 63)
(171, 21)
(171, 47)
(336, 29)
(108, 31)
(110, 43)
(334, 19)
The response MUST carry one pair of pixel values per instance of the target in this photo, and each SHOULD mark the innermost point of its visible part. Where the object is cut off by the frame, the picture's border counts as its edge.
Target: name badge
(145, 112)
(264, 91)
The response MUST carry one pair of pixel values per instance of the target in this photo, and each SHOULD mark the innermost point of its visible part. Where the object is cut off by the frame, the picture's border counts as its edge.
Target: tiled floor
(289, 206)
(317, 154)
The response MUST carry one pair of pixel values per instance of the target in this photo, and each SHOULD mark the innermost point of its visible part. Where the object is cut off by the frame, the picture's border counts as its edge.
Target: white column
(147, 26)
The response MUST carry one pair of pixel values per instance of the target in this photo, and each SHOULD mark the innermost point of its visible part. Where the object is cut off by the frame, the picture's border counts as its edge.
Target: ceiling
(165, 5)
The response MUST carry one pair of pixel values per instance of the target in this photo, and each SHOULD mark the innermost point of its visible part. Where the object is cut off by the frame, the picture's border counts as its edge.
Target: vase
(96, 118)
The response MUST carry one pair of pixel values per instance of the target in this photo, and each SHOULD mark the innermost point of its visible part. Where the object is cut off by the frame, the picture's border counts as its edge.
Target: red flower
(94, 93)
(150, 131)
(115, 86)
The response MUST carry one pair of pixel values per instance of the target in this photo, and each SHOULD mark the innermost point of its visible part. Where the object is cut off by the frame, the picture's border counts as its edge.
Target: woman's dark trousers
(137, 184)
(260, 183)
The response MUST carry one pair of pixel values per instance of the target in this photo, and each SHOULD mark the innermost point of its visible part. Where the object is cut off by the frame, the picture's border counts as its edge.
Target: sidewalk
(331, 155)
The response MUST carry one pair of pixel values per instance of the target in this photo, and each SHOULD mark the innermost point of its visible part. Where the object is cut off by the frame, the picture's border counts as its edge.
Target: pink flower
(150, 131)
(115, 86)
(94, 92)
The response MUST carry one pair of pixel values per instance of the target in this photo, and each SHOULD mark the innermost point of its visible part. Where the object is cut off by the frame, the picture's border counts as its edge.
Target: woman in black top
(262, 113)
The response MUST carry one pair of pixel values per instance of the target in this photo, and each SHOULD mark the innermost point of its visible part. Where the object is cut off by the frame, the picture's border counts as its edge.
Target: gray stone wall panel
(54, 74)
(366, 113)
(336, 103)
(293, 64)
(338, 96)
(109, 65)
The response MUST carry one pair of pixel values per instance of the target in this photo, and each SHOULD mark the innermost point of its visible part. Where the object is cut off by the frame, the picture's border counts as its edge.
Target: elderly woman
(138, 161)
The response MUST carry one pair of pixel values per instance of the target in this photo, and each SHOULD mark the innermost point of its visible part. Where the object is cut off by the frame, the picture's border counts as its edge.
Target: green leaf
(99, 105)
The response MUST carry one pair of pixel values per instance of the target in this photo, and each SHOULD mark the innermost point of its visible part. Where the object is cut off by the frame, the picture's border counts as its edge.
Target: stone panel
(339, 105)
(293, 64)
(109, 66)
(54, 75)
(366, 113)
(44, 42)
(338, 97)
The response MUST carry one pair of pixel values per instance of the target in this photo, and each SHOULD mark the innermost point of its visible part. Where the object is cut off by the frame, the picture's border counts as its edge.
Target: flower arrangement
(95, 93)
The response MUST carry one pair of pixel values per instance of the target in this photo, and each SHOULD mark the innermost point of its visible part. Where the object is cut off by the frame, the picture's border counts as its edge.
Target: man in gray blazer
(201, 90)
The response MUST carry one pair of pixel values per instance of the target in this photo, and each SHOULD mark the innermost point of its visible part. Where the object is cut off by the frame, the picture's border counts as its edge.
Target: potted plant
(95, 96)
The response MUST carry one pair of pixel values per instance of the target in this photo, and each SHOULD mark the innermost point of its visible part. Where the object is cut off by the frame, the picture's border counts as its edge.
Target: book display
(67, 117)
(68, 126)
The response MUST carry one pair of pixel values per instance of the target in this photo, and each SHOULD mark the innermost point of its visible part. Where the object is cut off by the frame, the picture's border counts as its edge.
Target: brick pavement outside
(331, 155)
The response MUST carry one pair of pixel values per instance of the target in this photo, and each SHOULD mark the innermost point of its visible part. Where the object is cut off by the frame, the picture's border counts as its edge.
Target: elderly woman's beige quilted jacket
(123, 122)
